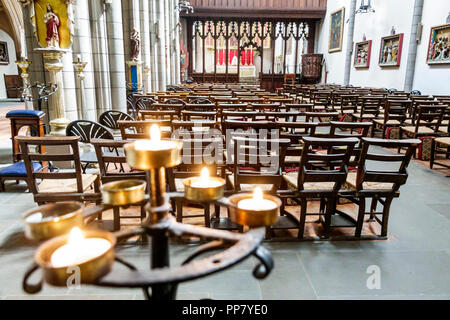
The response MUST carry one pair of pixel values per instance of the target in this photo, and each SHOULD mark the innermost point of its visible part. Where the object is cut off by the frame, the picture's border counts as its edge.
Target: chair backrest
(430, 116)
(258, 161)
(173, 101)
(29, 158)
(141, 129)
(109, 118)
(158, 114)
(371, 105)
(396, 109)
(200, 107)
(110, 152)
(188, 115)
(87, 130)
(396, 177)
(330, 167)
(200, 100)
(144, 103)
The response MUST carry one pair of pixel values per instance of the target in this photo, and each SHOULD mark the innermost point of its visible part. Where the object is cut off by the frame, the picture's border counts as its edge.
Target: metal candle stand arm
(160, 224)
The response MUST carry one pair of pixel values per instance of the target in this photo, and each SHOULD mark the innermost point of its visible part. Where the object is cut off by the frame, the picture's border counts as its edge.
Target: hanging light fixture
(185, 6)
(365, 7)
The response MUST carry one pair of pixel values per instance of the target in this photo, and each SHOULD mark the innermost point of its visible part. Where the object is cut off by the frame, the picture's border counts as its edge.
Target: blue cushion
(18, 169)
(25, 113)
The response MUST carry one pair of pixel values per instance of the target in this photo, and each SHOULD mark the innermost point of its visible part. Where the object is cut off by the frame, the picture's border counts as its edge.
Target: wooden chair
(105, 159)
(428, 122)
(109, 118)
(58, 186)
(394, 116)
(370, 108)
(88, 130)
(144, 103)
(192, 163)
(380, 185)
(319, 176)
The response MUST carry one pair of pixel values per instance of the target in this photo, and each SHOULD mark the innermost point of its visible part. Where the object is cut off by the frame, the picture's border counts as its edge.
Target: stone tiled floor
(413, 263)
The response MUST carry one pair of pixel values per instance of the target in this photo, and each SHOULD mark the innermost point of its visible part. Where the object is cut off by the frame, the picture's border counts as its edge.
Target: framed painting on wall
(336, 30)
(439, 46)
(363, 51)
(391, 50)
(4, 56)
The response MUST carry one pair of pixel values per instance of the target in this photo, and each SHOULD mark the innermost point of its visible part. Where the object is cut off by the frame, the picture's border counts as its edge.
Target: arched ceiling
(13, 10)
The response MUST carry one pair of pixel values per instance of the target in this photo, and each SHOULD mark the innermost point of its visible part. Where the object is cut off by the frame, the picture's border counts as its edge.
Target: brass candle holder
(89, 271)
(253, 218)
(143, 158)
(120, 193)
(204, 188)
(52, 220)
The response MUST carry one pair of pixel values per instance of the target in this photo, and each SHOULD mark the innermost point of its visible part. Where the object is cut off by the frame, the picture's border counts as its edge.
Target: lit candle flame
(204, 176)
(155, 134)
(258, 194)
(75, 236)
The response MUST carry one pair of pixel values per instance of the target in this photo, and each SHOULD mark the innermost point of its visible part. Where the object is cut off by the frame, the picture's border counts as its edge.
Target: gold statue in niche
(52, 22)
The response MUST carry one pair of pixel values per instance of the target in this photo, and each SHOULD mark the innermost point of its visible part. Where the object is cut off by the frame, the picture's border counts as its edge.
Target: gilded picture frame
(63, 9)
(336, 34)
(438, 45)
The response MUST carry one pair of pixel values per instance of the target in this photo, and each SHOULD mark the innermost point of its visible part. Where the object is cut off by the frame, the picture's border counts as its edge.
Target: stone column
(177, 35)
(154, 45)
(79, 67)
(54, 66)
(100, 55)
(162, 68)
(168, 46)
(116, 52)
(82, 46)
(412, 52)
(145, 43)
(349, 52)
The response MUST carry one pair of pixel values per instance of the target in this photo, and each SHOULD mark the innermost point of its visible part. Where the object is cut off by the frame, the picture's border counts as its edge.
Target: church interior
(226, 150)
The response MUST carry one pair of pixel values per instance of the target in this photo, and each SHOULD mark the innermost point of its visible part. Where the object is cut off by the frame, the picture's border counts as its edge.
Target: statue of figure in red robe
(52, 22)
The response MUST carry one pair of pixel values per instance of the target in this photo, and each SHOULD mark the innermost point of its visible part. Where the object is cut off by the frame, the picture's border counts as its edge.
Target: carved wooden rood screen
(245, 50)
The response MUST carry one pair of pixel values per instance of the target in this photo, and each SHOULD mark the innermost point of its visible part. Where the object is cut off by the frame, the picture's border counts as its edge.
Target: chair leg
(360, 220)
(179, 209)
(208, 215)
(399, 149)
(385, 219)
(116, 213)
(373, 207)
(328, 212)
(433, 150)
(383, 133)
(301, 226)
(2, 185)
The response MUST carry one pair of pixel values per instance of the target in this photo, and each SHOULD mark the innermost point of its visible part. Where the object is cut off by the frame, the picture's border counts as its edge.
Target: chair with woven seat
(370, 108)
(58, 186)
(105, 159)
(428, 122)
(319, 177)
(394, 116)
(88, 130)
(193, 162)
(380, 185)
(440, 145)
